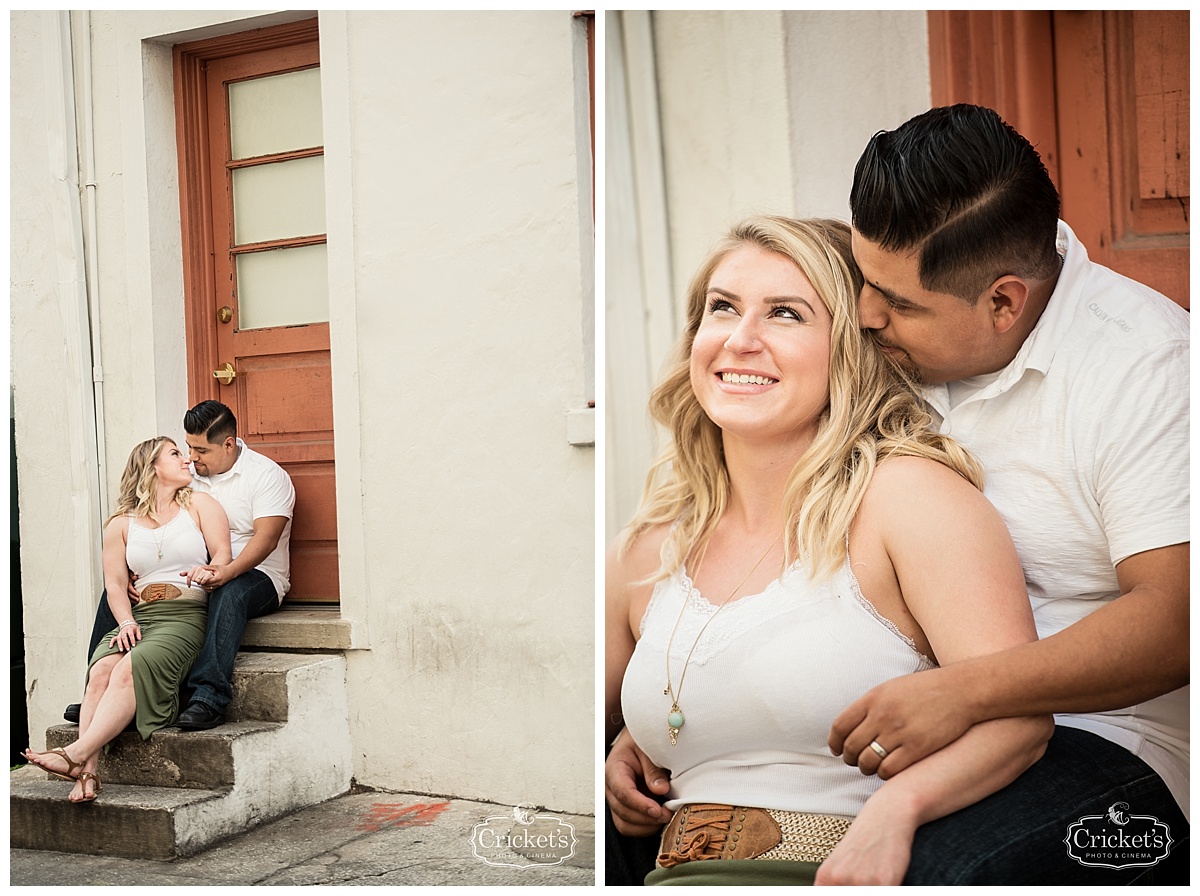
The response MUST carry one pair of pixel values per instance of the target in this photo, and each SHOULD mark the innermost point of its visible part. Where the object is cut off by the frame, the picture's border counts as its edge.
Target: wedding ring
(879, 751)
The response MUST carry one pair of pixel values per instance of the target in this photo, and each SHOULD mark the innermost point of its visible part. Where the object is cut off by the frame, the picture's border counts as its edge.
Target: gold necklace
(158, 542)
(675, 716)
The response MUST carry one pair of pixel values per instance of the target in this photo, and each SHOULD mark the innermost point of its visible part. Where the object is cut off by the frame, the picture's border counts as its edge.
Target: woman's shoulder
(900, 475)
(206, 504)
(118, 524)
(907, 491)
(116, 532)
(203, 501)
(634, 559)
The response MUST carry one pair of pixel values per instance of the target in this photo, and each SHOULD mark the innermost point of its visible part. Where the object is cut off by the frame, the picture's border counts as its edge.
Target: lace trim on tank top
(863, 602)
(746, 612)
(736, 619)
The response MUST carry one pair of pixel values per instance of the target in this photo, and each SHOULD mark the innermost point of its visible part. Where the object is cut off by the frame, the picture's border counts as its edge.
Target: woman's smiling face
(760, 359)
(171, 465)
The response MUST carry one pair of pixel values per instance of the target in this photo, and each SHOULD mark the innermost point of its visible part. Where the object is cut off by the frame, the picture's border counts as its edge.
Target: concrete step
(182, 791)
(298, 626)
(200, 760)
(124, 820)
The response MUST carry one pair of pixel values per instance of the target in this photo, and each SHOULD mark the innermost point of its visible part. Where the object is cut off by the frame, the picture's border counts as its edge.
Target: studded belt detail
(701, 831)
(162, 591)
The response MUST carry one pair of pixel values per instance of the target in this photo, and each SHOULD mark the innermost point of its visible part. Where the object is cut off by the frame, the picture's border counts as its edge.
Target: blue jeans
(230, 607)
(1016, 836)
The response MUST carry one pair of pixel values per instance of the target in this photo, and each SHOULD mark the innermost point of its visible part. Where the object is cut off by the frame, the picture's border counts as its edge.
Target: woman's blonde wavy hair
(873, 413)
(139, 482)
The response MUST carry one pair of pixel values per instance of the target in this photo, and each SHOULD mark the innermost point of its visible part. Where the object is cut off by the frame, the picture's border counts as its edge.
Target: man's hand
(208, 577)
(134, 597)
(910, 717)
(634, 813)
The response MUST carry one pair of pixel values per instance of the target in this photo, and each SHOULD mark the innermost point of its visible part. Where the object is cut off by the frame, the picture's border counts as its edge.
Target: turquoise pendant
(674, 723)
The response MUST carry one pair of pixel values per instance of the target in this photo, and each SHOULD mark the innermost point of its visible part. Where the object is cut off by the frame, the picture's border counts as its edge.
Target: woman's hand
(127, 635)
(876, 849)
(208, 577)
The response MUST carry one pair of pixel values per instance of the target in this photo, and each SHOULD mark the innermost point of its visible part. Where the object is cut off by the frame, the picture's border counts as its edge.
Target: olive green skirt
(172, 634)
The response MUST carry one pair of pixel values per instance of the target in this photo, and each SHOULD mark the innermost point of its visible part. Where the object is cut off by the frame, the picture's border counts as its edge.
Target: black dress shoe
(72, 713)
(199, 717)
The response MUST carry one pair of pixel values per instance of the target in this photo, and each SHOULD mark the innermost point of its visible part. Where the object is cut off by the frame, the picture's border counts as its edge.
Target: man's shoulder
(1119, 333)
(260, 465)
(1124, 312)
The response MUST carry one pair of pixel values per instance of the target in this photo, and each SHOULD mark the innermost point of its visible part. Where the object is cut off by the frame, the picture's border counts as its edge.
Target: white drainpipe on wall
(91, 230)
(70, 290)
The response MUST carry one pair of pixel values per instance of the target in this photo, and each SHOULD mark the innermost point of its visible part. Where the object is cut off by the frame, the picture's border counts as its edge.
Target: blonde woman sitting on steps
(165, 534)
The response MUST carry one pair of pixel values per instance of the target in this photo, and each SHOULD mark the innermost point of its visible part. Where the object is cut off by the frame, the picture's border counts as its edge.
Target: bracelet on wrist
(127, 622)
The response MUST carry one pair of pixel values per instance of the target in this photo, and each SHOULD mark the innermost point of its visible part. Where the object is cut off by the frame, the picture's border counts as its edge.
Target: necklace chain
(675, 716)
(158, 542)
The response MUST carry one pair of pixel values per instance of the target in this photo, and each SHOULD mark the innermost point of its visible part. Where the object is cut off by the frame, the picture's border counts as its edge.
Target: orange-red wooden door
(280, 389)
(1104, 96)
(1124, 128)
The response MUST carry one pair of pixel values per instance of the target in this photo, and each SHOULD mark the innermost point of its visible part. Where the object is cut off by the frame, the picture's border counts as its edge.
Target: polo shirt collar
(237, 464)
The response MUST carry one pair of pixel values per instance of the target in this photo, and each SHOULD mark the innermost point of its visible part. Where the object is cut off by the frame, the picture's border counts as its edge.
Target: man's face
(209, 459)
(938, 336)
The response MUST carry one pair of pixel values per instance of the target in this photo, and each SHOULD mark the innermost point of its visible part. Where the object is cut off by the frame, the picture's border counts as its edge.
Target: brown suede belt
(163, 591)
(700, 831)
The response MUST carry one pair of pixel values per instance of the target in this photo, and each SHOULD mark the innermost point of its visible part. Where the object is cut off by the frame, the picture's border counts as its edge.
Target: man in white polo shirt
(1069, 383)
(258, 498)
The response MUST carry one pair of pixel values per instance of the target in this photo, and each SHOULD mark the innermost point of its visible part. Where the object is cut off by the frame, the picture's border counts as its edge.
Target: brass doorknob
(225, 314)
(225, 374)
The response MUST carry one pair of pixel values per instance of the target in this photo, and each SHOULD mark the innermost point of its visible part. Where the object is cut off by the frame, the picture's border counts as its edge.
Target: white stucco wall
(457, 257)
(849, 75)
(723, 95)
(51, 369)
(475, 513)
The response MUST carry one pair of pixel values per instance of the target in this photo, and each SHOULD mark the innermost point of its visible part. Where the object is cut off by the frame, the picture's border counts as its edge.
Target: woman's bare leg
(98, 678)
(97, 684)
(114, 710)
(109, 705)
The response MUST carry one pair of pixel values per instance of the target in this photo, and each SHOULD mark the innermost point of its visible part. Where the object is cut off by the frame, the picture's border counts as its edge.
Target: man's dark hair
(959, 184)
(212, 420)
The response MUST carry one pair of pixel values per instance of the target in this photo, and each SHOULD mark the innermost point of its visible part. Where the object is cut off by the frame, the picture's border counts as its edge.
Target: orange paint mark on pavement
(384, 815)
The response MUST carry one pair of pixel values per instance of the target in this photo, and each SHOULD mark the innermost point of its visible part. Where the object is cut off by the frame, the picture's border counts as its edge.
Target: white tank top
(763, 686)
(180, 544)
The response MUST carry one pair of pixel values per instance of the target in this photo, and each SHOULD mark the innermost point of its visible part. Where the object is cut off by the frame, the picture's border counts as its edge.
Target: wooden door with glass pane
(257, 291)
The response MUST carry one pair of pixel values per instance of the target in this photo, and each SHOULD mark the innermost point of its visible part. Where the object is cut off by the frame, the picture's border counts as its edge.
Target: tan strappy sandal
(71, 763)
(84, 778)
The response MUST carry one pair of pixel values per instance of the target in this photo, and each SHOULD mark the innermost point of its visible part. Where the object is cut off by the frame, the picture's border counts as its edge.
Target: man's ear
(1009, 296)
(230, 443)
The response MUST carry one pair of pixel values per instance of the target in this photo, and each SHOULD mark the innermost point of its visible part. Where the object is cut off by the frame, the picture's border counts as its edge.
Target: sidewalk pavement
(362, 839)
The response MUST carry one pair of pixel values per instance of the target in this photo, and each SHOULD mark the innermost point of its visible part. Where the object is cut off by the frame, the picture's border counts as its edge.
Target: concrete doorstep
(362, 839)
